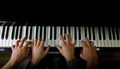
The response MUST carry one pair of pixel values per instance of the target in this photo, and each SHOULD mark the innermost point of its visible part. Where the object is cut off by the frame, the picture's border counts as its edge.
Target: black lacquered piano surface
(106, 37)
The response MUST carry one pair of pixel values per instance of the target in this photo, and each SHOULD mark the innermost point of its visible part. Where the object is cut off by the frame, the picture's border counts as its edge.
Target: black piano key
(30, 37)
(113, 32)
(85, 28)
(69, 29)
(75, 33)
(17, 29)
(79, 33)
(45, 32)
(40, 34)
(7, 32)
(65, 30)
(89, 30)
(50, 32)
(103, 30)
(26, 34)
(61, 30)
(99, 33)
(117, 33)
(20, 36)
(3, 32)
(93, 32)
(109, 33)
(55, 31)
(36, 32)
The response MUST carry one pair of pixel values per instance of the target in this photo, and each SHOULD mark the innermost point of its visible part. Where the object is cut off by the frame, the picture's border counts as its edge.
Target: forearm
(31, 65)
(10, 65)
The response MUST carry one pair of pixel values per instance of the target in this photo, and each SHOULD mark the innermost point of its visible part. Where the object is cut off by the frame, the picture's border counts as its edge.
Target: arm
(89, 54)
(19, 53)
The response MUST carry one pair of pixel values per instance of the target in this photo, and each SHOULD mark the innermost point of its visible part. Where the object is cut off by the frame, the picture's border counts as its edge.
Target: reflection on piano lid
(102, 36)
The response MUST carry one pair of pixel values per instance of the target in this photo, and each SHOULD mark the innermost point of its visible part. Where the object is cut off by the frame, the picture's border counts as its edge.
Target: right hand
(67, 49)
(38, 52)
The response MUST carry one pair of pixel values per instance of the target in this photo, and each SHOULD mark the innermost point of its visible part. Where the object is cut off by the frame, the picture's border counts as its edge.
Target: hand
(67, 49)
(20, 52)
(38, 52)
(89, 54)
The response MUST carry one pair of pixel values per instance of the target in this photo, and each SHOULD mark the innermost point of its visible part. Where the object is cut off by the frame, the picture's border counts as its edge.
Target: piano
(105, 37)
(102, 36)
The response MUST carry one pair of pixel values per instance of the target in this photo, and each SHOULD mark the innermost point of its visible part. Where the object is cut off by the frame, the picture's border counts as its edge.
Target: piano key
(67, 31)
(24, 31)
(53, 40)
(14, 40)
(107, 42)
(117, 33)
(46, 40)
(28, 34)
(102, 37)
(96, 37)
(103, 30)
(20, 34)
(82, 33)
(9, 40)
(89, 32)
(4, 39)
(73, 34)
(55, 33)
(77, 37)
(50, 32)
(116, 43)
(30, 37)
(79, 33)
(37, 32)
(85, 31)
(109, 32)
(63, 33)
(34, 33)
(3, 32)
(1, 28)
(43, 32)
(49, 35)
(93, 33)
(17, 29)
(58, 35)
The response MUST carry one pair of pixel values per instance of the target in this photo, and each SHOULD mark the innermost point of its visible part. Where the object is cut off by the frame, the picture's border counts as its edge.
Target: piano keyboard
(101, 36)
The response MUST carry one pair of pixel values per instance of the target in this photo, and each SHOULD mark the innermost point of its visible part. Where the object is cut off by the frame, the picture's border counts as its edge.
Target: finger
(47, 49)
(68, 40)
(22, 41)
(12, 47)
(58, 47)
(62, 40)
(74, 43)
(87, 41)
(42, 42)
(92, 43)
(27, 44)
(35, 42)
(17, 42)
(38, 42)
(83, 44)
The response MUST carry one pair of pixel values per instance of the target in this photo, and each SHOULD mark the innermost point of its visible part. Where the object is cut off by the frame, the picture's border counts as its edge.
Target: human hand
(38, 52)
(19, 52)
(67, 49)
(89, 54)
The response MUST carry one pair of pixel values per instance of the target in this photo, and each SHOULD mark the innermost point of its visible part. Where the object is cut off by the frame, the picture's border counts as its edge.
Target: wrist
(70, 58)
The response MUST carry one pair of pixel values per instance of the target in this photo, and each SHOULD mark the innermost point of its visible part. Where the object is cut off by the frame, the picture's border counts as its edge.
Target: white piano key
(33, 33)
(102, 40)
(115, 44)
(14, 41)
(46, 40)
(63, 34)
(58, 36)
(82, 33)
(87, 32)
(67, 30)
(78, 41)
(71, 32)
(4, 40)
(38, 32)
(9, 37)
(96, 37)
(107, 42)
(23, 31)
(53, 41)
(112, 41)
(28, 34)
(1, 28)
(73, 36)
(49, 41)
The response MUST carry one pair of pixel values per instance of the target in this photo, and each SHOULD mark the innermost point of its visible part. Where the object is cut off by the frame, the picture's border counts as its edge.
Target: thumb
(58, 47)
(47, 49)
